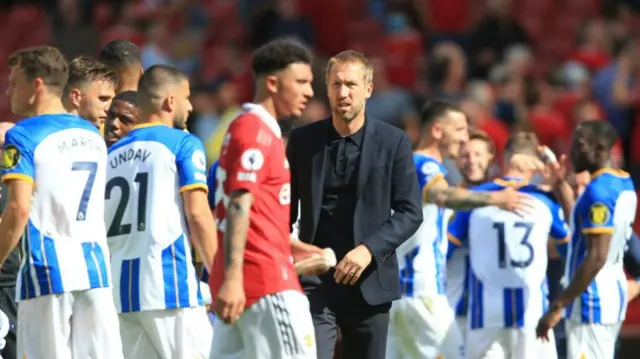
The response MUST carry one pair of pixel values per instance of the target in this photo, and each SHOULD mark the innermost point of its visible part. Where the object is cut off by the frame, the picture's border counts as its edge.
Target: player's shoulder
(244, 121)
(427, 165)
(607, 185)
(154, 133)
(488, 186)
(34, 130)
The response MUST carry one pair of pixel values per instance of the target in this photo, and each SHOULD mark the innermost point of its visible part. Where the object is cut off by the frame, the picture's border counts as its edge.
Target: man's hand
(555, 170)
(511, 200)
(350, 268)
(548, 322)
(230, 301)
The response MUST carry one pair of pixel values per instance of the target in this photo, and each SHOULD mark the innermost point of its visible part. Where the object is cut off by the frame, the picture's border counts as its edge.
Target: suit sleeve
(17, 156)
(191, 164)
(631, 257)
(294, 225)
(597, 216)
(406, 203)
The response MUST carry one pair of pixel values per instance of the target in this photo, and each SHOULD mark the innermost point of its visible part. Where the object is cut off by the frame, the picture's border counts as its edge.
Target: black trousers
(363, 327)
(9, 306)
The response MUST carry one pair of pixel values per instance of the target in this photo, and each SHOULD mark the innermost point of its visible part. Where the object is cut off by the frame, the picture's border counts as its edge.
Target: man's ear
(75, 97)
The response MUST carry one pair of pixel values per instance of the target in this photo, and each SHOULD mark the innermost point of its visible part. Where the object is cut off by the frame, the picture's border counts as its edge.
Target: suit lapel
(319, 155)
(367, 154)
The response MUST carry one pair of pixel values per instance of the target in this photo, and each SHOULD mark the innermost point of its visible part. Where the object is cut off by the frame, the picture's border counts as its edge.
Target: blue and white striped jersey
(607, 205)
(422, 258)
(508, 259)
(147, 229)
(65, 247)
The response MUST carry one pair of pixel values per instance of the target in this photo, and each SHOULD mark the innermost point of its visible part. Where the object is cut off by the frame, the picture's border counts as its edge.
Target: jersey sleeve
(191, 163)
(428, 173)
(596, 215)
(244, 157)
(211, 184)
(17, 156)
(458, 229)
(559, 228)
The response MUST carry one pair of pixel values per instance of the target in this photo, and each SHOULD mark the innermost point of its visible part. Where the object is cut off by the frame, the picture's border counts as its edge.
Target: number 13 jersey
(508, 259)
(146, 228)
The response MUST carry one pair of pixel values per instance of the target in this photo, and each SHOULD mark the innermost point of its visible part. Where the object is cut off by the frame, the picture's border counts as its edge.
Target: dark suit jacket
(386, 181)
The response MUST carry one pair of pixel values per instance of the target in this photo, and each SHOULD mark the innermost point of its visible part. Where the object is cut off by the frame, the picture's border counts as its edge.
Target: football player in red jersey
(257, 295)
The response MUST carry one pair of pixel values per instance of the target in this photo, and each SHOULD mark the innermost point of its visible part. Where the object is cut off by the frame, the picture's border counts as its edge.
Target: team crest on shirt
(10, 157)
(430, 168)
(285, 194)
(308, 340)
(252, 159)
(199, 160)
(599, 213)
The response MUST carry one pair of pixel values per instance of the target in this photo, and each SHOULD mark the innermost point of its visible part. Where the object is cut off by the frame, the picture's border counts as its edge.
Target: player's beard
(180, 122)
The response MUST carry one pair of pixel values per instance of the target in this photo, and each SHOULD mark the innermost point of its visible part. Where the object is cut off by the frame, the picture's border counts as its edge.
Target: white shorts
(82, 324)
(166, 334)
(509, 343)
(423, 328)
(591, 340)
(463, 327)
(278, 325)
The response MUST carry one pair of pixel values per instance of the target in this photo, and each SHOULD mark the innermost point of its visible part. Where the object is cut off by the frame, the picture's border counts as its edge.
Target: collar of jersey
(148, 124)
(509, 181)
(613, 171)
(265, 116)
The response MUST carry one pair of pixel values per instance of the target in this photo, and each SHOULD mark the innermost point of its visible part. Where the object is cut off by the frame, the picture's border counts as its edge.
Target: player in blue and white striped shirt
(54, 165)
(422, 323)
(508, 260)
(156, 207)
(602, 221)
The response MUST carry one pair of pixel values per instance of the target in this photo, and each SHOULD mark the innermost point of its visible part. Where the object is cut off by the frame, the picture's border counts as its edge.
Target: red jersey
(253, 159)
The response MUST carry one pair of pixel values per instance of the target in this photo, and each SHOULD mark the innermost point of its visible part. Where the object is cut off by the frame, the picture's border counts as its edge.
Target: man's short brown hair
(84, 70)
(523, 142)
(476, 134)
(351, 56)
(44, 62)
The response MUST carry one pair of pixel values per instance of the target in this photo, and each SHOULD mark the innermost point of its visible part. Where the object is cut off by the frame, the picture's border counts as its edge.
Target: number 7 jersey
(64, 247)
(146, 228)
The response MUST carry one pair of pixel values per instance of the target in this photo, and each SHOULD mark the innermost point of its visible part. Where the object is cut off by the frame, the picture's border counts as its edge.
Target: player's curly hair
(84, 70)
(278, 55)
(120, 53)
(43, 62)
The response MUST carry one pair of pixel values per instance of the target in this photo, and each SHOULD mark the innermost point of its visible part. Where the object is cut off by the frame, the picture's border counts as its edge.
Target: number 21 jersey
(146, 228)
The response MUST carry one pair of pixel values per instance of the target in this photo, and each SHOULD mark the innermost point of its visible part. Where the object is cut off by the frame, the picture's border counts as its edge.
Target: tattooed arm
(457, 198)
(235, 235)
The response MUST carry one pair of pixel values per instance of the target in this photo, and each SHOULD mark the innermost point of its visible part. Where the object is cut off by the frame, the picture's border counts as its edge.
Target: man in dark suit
(354, 182)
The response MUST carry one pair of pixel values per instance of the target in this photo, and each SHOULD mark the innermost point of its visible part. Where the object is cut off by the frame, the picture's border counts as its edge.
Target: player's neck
(514, 174)
(156, 118)
(267, 104)
(601, 167)
(345, 128)
(48, 106)
(430, 148)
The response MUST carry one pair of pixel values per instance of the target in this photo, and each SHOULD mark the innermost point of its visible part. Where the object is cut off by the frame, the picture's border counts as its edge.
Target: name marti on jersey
(80, 143)
(129, 155)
